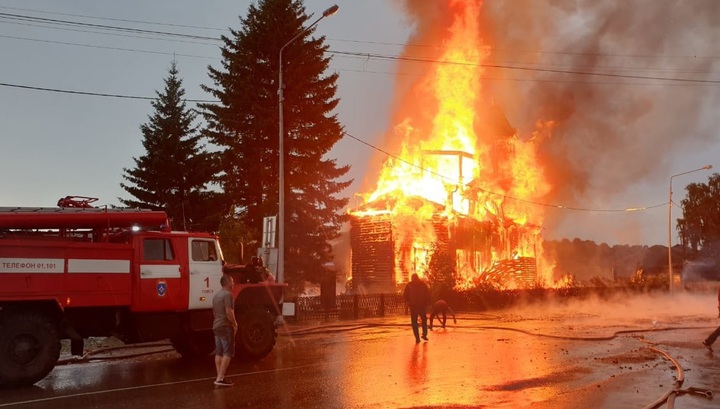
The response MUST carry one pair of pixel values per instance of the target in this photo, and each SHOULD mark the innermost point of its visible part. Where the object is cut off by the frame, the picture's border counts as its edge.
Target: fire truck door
(205, 272)
(162, 287)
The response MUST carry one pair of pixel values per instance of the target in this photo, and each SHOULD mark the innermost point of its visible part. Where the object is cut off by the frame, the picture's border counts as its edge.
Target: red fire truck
(78, 271)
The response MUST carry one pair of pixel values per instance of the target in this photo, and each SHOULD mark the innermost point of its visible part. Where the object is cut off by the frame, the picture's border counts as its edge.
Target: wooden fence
(352, 306)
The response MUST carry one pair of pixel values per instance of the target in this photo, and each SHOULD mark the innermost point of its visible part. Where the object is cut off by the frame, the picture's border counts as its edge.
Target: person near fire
(253, 271)
(224, 327)
(417, 297)
(710, 340)
(264, 272)
(440, 310)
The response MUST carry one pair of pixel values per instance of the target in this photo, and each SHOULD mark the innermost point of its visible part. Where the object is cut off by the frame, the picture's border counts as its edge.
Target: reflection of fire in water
(454, 188)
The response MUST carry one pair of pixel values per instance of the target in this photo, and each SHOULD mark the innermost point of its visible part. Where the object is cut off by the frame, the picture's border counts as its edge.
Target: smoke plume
(610, 131)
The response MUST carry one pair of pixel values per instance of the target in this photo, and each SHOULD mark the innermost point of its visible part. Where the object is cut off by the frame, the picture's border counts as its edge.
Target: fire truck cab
(78, 271)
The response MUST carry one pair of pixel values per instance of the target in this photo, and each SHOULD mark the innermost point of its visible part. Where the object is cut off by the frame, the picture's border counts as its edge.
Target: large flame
(446, 161)
(455, 84)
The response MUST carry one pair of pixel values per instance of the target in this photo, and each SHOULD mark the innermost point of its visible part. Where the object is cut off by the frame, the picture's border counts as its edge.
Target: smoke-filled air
(506, 109)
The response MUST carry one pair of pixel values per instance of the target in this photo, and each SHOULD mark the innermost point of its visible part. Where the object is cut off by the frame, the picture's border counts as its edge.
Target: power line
(88, 93)
(512, 67)
(364, 55)
(166, 33)
(96, 94)
(101, 26)
(109, 48)
(535, 52)
(495, 50)
(144, 37)
(504, 196)
(113, 19)
(684, 81)
(536, 80)
(365, 143)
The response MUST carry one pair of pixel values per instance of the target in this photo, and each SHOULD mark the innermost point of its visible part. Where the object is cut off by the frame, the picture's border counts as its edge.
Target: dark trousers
(711, 339)
(416, 312)
(441, 317)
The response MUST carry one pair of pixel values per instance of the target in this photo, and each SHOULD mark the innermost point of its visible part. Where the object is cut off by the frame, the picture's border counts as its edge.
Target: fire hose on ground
(668, 397)
(92, 355)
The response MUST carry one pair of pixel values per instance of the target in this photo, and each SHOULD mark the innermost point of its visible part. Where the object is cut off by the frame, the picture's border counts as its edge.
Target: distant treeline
(584, 260)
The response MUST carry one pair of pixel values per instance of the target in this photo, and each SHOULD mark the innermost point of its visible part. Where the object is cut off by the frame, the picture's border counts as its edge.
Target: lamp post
(670, 269)
(281, 153)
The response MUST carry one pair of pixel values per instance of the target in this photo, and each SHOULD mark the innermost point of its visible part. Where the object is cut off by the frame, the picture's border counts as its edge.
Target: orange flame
(450, 159)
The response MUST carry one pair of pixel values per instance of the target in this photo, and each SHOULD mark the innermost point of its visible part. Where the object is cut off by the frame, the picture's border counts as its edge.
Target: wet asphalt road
(610, 354)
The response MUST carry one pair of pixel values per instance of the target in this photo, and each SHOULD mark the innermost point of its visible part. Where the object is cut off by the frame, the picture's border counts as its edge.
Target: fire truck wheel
(29, 348)
(194, 345)
(256, 334)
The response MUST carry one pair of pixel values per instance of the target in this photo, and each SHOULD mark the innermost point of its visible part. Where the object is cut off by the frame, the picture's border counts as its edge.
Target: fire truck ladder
(75, 212)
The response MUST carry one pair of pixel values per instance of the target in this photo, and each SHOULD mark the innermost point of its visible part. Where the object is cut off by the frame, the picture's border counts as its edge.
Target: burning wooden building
(387, 247)
(462, 183)
(487, 225)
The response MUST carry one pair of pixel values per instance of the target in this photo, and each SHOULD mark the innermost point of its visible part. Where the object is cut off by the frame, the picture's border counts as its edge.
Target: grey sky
(61, 144)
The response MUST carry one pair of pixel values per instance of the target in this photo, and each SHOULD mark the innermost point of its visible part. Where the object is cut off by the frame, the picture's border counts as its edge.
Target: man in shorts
(224, 327)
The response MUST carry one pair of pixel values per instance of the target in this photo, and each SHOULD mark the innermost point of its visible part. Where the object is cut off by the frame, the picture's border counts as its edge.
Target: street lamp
(281, 188)
(670, 270)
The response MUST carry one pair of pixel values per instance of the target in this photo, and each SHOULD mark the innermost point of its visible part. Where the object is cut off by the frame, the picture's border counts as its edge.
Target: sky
(616, 141)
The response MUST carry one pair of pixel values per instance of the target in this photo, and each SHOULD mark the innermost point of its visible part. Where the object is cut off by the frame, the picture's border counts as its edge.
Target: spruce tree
(244, 123)
(175, 172)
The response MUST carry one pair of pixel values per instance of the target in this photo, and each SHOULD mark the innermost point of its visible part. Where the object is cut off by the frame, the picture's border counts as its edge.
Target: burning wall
(388, 247)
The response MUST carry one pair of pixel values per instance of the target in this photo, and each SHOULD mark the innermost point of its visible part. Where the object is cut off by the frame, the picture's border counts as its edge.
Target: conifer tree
(175, 172)
(244, 123)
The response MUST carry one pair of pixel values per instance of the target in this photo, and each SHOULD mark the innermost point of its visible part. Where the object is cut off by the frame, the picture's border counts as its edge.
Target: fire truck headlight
(135, 228)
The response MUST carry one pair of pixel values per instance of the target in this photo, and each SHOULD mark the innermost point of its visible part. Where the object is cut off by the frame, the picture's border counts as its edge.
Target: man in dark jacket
(417, 297)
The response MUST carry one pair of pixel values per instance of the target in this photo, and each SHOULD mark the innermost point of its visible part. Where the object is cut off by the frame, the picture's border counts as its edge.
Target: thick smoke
(610, 132)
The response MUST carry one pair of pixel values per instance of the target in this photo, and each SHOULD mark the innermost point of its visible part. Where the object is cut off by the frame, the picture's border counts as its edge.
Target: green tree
(699, 228)
(238, 243)
(175, 172)
(244, 124)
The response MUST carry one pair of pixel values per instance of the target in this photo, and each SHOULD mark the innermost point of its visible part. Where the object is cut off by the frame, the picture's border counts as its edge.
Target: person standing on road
(224, 327)
(417, 296)
(440, 308)
(710, 340)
